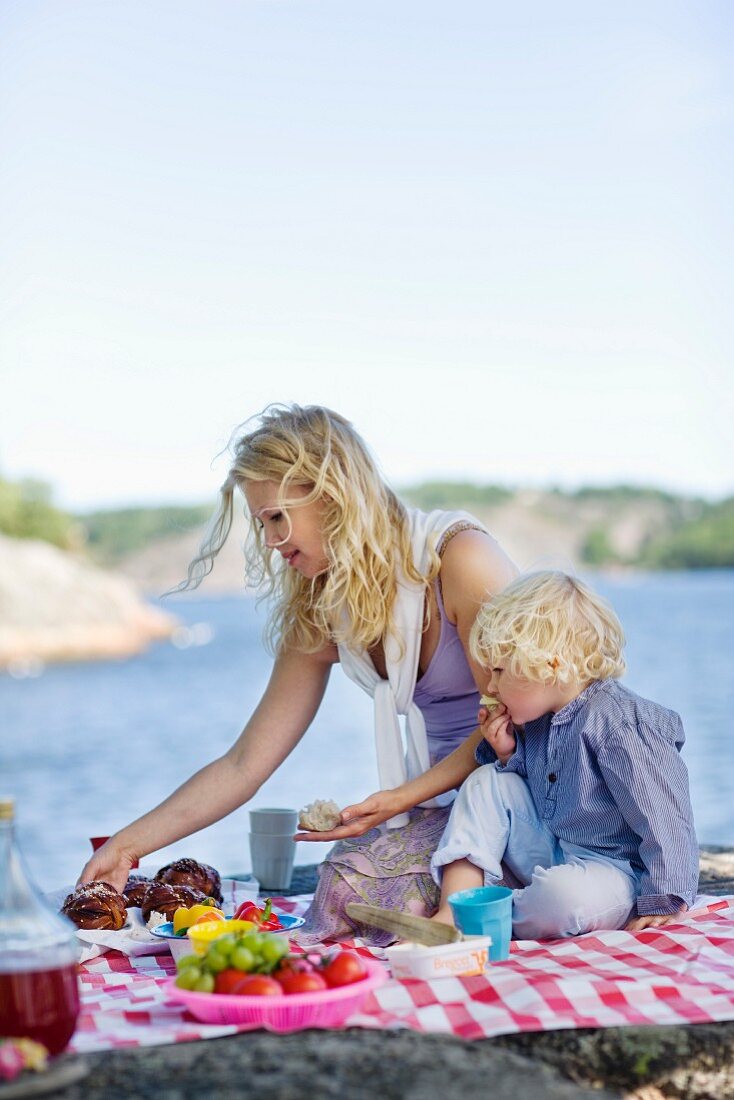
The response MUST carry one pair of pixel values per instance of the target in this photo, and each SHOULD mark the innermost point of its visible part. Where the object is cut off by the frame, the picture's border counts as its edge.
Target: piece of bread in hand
(489, 701)
(320, 816)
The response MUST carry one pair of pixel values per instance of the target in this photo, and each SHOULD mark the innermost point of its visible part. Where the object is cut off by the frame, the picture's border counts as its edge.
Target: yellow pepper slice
(184, 918)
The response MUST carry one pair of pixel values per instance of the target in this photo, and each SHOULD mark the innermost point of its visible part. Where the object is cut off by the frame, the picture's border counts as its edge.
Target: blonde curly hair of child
(365, 530)
(549, 627)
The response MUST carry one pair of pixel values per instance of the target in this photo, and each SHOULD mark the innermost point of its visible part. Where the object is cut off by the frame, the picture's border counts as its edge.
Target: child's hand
(498, 731)
(654, 920)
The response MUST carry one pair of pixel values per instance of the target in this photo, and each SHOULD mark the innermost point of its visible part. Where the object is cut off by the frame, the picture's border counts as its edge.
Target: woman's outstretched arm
(286, 710)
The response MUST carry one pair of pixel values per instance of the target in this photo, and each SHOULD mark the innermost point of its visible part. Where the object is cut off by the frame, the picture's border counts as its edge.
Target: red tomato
(301, 983)
(257, 985)
(344, 969)
(293, 964)
(226, 979)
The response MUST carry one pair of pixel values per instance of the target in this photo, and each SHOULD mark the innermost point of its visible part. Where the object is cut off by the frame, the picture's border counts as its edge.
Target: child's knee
(489, 792)
(508, 792)
(571, 899)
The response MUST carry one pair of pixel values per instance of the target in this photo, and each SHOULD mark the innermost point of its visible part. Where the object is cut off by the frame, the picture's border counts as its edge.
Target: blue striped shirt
(605, 773)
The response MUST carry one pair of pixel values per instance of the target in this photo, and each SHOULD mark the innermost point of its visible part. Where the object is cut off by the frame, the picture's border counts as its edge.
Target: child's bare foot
(444, 915)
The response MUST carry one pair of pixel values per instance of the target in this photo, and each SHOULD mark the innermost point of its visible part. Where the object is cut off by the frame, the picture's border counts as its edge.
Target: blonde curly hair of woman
(365, 530)
(549, 627)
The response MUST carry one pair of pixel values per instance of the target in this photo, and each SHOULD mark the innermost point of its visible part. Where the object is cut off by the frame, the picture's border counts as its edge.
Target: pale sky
(498, 237)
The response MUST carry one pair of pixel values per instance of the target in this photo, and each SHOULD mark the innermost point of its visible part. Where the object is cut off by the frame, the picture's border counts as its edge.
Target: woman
(392, 593)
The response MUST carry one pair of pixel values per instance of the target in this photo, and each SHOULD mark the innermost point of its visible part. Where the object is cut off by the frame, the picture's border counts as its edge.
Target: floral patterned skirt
(385, 867)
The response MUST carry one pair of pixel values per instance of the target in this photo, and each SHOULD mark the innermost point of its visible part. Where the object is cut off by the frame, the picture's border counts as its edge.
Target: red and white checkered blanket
(679, 974)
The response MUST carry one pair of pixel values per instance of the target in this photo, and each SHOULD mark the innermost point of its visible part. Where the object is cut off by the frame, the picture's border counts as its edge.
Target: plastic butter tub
(446, 960)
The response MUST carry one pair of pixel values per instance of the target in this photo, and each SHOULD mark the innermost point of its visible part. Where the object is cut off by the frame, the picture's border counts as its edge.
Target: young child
(583, 797)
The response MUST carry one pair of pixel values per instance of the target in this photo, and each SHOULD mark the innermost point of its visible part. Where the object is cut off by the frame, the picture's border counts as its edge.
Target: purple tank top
(446, 693)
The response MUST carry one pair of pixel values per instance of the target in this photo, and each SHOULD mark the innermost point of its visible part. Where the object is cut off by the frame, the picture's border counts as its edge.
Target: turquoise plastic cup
(485, 911)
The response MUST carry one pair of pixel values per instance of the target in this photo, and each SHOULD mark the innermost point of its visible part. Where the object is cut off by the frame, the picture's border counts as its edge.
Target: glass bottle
(39, 986)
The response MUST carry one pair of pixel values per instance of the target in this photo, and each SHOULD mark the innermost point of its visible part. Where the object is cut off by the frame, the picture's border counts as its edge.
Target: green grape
(216, 961)
(251, 941)
(226, 945)
(205, 984)
(188, 977)
(242, 959)
(272, 951)
(188, 960)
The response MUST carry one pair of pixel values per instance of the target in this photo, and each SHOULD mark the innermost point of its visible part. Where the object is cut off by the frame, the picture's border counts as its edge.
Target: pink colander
(291, 1012)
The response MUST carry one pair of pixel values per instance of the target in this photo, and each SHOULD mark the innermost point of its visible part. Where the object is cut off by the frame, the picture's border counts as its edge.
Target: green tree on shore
(706, 542)
(27, 512)
(113, 533)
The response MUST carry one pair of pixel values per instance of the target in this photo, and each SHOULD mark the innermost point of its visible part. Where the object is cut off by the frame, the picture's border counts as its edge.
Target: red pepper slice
(272, 925)
(248, 911)
(264, 918)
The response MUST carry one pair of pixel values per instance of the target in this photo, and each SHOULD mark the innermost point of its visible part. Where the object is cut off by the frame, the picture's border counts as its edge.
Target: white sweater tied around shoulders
(398, 763)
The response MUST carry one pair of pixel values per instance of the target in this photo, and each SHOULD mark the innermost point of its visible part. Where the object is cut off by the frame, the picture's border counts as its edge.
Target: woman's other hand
(498, 731)
(361, 817)
(109, 864)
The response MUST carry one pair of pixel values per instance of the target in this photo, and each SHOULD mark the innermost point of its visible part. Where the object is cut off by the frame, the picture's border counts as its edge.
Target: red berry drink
(41, 1005)
(39, 988)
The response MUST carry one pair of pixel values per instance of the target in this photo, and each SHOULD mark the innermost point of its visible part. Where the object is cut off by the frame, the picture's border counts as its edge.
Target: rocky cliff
(56, 607)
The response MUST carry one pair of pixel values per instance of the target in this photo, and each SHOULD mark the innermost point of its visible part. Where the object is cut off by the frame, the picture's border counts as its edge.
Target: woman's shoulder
(472, 547)
(473, 567)
(453, 527)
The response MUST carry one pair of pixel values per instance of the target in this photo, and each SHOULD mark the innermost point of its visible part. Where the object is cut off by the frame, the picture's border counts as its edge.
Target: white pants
(567, 890)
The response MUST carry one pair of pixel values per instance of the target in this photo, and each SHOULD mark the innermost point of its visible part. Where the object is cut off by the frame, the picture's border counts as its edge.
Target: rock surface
(655, 1063)
(320, 1065)
(54, 607)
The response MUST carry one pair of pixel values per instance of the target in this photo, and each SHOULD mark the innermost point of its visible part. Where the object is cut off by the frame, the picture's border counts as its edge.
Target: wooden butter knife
(418, 929)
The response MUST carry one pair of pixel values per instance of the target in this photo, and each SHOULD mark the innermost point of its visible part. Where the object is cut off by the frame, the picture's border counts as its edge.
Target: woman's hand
(110, 864)
(498, 731)
(361, 817)
(447, 775)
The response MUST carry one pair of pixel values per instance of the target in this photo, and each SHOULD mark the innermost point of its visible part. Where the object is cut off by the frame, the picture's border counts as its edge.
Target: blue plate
(289, 922)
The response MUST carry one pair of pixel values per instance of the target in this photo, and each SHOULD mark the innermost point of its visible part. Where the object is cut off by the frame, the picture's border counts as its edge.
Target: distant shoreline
(56, 608)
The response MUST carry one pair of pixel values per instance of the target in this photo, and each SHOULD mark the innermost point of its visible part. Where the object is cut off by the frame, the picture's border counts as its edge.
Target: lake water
(85, 748)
